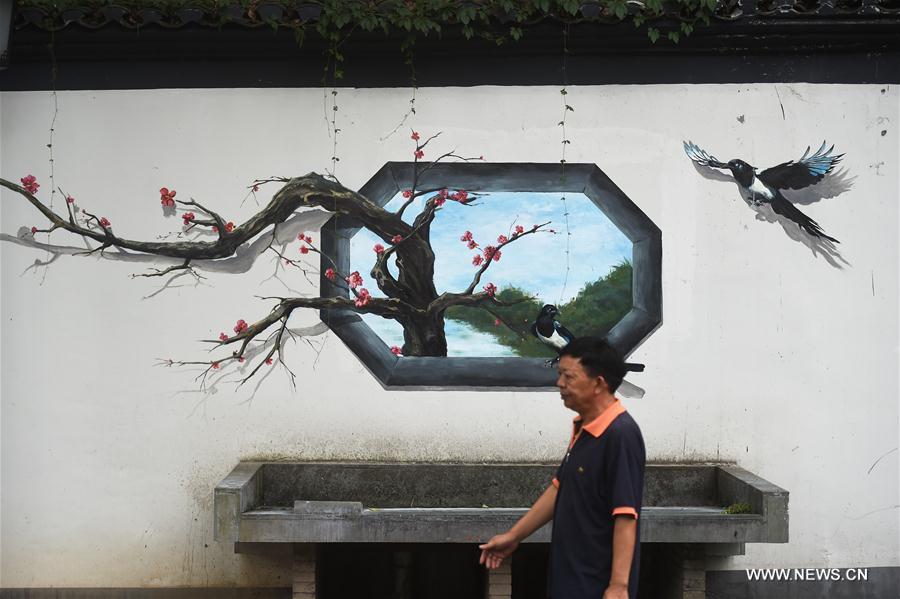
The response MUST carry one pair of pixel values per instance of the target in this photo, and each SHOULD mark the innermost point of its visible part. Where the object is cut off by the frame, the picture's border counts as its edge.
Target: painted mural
(433, 271)
(768, 192)
(437, 271)
(581, 263)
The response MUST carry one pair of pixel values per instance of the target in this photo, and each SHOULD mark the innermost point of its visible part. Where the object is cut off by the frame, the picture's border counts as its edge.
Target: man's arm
(624, 538)
(501, 546)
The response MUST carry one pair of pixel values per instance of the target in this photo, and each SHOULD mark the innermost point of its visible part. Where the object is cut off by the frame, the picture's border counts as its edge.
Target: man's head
(589, 368)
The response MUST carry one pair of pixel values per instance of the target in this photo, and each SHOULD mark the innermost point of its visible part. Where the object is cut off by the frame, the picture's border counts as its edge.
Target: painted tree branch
(380, 306)
(312, 190)
(471, 300)
(412, 299)
(488, 261)
(161, 272)
(281, 313)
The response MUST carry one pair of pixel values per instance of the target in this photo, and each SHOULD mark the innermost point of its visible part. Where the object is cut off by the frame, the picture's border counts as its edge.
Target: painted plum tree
(411, 298)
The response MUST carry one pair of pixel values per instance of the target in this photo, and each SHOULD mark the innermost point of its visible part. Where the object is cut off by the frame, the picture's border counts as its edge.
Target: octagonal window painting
(581, 263)
(452, 319)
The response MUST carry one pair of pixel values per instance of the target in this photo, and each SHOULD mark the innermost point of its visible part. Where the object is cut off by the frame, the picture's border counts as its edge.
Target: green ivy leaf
(570, 6)
(368, 23)
(465, 14)
(341, 19)
(476, 17)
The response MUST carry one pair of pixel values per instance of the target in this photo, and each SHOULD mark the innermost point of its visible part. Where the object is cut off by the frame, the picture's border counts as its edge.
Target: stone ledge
(342, 503)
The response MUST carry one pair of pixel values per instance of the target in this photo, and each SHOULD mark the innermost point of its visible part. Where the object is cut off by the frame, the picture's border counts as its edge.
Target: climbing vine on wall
(499, 21)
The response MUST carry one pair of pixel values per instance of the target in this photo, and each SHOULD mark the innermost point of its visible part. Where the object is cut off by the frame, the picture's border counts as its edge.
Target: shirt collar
(598, 425)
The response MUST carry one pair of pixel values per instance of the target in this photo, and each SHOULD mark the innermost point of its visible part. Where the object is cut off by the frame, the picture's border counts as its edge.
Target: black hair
(598, 358)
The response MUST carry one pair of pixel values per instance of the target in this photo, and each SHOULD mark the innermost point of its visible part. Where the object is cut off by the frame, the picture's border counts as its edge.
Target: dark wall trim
(195, 57)
(140, 593)
(860, 68)
(883, 582)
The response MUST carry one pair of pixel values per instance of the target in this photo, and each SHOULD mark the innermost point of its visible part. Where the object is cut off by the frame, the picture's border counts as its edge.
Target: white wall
(768, 355)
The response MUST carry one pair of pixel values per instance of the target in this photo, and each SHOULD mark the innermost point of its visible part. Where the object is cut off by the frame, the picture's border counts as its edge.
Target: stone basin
(306, 502)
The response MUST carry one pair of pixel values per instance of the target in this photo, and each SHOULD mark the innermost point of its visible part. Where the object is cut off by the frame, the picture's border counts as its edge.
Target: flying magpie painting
(765, 188)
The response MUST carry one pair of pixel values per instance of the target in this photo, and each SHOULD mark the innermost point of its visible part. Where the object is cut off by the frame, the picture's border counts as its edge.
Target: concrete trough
(280, 502)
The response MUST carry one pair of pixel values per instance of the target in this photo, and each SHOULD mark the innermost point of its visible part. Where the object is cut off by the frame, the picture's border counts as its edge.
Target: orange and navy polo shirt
(601, 476)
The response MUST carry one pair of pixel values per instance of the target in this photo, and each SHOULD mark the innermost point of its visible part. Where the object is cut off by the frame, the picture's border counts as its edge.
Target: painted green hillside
(596, 308)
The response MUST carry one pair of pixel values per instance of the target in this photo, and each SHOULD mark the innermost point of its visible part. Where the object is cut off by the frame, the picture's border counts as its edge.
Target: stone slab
(468, 503)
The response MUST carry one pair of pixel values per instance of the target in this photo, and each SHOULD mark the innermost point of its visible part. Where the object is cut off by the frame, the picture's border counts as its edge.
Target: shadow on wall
(244, 258)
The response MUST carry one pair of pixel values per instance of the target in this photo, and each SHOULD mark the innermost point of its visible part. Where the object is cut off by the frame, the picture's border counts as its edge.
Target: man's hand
(497, 549)
(616, 591)
(501, 547)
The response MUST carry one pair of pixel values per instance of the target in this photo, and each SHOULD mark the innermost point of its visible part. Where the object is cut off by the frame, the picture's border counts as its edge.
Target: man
(595, 498)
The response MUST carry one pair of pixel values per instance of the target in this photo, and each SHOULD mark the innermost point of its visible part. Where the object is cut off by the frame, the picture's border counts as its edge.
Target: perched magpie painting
(550, 331)
(761, 188)
(554, 335)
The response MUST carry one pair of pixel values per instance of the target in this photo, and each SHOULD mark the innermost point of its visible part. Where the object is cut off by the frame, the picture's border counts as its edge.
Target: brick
(693, 575)
(303, 577)
(307, 588)
(694, 584)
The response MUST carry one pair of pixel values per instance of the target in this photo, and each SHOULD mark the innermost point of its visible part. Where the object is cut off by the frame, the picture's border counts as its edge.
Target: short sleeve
(558, 474)
(625, 472)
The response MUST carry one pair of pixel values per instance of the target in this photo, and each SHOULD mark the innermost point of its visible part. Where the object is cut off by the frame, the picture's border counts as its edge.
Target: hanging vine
(409, 60)
(565, 142)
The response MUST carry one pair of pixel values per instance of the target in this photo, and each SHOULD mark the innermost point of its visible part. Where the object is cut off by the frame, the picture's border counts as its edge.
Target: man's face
(576, 387)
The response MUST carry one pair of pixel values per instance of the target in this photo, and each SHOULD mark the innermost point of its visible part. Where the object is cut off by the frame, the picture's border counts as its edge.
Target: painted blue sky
(536, 263)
